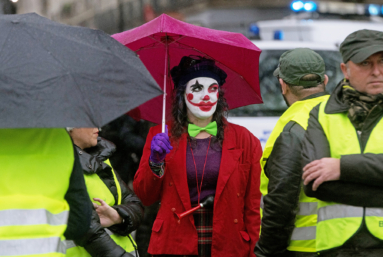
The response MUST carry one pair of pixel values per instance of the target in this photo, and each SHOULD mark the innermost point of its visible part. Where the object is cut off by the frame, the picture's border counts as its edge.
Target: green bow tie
(211, 128)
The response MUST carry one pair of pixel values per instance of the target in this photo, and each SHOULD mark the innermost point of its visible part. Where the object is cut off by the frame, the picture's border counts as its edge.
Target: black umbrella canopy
(55, 75)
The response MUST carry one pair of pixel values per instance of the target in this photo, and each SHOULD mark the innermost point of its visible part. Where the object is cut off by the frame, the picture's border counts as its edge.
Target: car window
(273, 103)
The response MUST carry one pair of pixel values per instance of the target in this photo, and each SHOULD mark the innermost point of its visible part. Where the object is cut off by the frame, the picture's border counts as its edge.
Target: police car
(260, 119)
(328, 22)
(320, 26)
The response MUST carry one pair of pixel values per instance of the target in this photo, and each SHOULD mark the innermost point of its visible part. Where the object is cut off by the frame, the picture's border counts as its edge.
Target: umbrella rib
(157, 46)
(174, 41)
(151, 36)
(68, 72)
(153, 44)
(163, 42)
(147, 48)
(25, 84)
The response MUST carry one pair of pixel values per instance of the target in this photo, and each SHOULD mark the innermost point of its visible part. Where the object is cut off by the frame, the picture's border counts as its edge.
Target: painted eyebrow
(196, 85)
(213, 84)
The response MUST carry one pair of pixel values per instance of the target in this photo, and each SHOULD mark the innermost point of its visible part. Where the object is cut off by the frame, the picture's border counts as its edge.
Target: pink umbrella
(162, 42)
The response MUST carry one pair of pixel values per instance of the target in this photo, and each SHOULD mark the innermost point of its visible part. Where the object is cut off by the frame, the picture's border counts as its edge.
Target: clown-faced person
(203, 169)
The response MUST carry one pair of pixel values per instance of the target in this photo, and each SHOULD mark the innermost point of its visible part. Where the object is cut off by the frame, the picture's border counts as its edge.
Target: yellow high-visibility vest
(303, 236)
(36, 165)
(97, 189)
(338, 222)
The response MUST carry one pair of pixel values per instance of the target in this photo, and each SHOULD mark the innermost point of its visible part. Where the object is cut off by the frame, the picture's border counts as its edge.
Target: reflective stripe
(304, 233)
(109, 232)
(116, 181)
(307, 208)
(133, 253)
(32, 217)
(70, 244)
(262, 204)
(339, 211)
(61, 247)
(31, 246)
(377, 212)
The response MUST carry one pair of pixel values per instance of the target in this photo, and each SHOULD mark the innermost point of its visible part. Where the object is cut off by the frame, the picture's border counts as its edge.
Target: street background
(113, 16)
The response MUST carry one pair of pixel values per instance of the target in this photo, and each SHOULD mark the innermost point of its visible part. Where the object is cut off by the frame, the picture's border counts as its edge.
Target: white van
(322, 21)
(260, 119)
(326, 31)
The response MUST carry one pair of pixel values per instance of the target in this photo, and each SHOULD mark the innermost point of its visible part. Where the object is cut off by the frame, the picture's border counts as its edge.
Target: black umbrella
(55, 75)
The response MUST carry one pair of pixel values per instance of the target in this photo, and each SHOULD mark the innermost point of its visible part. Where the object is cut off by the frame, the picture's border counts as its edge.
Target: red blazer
(236, 218)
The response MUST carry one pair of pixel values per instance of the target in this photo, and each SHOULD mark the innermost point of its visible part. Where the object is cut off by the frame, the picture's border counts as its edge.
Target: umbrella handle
(165, 77)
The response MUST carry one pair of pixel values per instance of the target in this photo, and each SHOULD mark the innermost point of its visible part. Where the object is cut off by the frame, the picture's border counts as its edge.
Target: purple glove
(160, 147)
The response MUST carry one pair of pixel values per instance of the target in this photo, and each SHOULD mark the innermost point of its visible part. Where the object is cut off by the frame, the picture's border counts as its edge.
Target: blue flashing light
(382, 11)
(254, 29)
(297, 6)
(373, 9)
(278, 35)
(310, 6)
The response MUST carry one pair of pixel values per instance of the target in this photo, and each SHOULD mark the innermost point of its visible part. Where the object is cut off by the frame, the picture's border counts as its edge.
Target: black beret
(190, 68)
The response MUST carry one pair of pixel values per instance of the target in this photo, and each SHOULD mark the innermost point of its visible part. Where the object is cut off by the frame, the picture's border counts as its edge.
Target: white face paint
(201, 96)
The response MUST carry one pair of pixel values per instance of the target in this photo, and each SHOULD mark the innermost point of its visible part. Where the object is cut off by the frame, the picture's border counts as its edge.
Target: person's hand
(325, 169)
(160, 147)
(108, 215)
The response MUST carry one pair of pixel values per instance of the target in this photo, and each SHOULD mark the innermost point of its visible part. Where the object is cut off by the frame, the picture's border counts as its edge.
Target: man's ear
(344, 69)
(283, 86)
(325, 80)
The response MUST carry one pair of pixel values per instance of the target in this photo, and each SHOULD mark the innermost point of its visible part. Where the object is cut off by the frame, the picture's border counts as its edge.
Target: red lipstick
(204, 106)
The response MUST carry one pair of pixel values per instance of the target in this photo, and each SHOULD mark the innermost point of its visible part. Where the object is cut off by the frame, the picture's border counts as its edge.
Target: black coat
(97, 242)
(284, 171)
(80, 206)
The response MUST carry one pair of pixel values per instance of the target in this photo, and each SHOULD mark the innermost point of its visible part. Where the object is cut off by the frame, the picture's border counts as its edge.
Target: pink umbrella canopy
(164, 41)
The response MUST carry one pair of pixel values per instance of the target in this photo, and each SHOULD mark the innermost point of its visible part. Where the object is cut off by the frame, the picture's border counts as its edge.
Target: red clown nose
(206, 98)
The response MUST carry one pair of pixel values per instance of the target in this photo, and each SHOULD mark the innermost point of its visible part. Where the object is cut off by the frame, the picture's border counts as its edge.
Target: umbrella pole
(165, 76)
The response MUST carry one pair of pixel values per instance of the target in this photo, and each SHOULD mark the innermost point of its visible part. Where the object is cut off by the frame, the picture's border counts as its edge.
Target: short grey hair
(69, 129)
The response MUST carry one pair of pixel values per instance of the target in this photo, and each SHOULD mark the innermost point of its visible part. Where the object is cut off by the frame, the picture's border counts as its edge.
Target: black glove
(208, 203)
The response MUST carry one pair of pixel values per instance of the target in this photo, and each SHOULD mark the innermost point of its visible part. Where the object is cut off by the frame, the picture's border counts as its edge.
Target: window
(273, 102)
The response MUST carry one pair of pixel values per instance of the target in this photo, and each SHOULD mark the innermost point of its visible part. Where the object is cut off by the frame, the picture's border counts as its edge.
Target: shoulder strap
(116, 181)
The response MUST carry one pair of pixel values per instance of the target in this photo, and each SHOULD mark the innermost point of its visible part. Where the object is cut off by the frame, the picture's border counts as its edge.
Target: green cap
(295, 64)
(361, 44)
